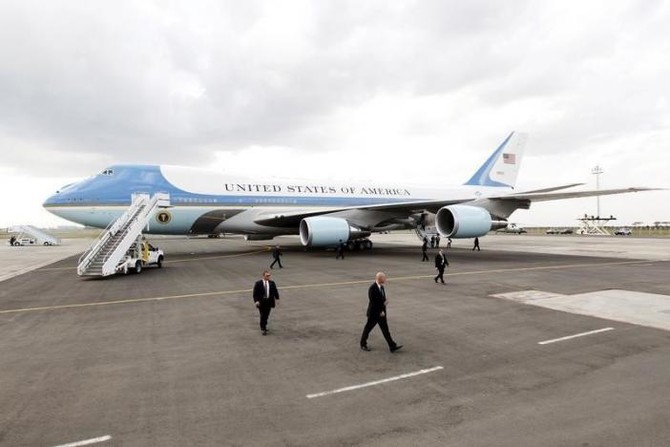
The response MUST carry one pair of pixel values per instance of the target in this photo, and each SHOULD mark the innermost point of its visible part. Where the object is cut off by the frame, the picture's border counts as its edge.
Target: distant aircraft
(322, 212)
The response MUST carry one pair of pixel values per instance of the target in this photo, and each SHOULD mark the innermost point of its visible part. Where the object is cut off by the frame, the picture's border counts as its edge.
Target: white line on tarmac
(376, 382)
(583, 334)
(87, 441)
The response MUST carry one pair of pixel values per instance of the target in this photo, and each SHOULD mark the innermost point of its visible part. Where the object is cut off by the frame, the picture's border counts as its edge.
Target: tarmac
(532, 341)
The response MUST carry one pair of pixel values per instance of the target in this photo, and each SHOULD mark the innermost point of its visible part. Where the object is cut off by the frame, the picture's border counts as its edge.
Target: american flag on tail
(510, 159)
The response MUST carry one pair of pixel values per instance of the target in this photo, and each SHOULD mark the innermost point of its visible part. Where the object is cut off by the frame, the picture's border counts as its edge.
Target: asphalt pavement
(174, 356)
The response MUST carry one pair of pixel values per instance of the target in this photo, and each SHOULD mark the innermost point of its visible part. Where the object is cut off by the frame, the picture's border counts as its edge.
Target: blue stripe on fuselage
(116, 190)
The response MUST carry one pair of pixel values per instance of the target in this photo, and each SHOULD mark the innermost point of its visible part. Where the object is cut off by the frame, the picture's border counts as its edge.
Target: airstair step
(125, 232)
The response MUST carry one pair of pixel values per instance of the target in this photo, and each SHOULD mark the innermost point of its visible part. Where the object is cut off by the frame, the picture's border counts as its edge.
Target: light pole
(597, 170)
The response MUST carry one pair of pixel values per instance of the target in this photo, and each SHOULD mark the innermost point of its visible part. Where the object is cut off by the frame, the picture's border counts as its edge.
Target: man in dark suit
(440, 264)
(424, 249)
(276, 254)
(265, 296)
(340, 250)
(377, 313)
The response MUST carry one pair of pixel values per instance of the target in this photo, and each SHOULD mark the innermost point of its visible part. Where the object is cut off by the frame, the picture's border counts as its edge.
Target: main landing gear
(359, 244)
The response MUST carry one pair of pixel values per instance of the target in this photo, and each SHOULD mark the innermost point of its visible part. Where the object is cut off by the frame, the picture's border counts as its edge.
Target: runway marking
(174, 261)
(246, 253)
(376, 382)
(87, 441)
(304, 286)
(570, 337)
(128, 301)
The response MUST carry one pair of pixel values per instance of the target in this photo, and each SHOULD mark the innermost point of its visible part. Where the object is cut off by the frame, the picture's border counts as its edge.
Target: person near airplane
(376, 313)
(276, 255)
(340, 250)
(441, 263)
(266, 296)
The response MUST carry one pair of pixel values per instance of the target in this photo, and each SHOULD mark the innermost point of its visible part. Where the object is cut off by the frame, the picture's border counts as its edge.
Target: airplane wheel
(368, 245)
(138, 267)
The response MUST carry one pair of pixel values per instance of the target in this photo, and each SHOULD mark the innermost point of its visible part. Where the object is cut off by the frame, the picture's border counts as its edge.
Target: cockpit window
(107, 172)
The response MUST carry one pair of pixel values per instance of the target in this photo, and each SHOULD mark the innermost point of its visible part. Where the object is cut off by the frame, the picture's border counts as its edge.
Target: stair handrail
(87, 257)
(134, 229)
(38, 234)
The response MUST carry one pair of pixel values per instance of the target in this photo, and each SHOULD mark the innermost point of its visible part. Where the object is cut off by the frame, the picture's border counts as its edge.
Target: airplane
(323, 213)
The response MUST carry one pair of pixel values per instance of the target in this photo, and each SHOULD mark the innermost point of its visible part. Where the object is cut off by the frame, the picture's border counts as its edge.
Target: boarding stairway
(595, 225)
(105, 254)
(40, 237)
(428, 232)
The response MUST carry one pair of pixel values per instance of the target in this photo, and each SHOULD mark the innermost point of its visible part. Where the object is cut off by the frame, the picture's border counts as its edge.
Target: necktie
(383, 291)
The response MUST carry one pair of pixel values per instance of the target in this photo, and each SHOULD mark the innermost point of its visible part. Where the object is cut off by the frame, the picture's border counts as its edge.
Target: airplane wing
(538, 196)
(553, 188)
(292, 217)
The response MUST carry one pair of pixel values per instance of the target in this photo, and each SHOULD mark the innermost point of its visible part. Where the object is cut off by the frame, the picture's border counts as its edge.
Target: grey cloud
(146, 82)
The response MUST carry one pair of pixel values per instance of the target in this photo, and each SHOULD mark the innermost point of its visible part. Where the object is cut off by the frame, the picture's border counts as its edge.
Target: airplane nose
(54, 199)
(51, 200)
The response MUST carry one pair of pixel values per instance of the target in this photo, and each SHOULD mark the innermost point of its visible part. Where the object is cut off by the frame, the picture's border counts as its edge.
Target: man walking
(424, 249)
(340, 250)
(276, 254)
(476, 246)
(265, 295)
(377, 313)
(440, 264)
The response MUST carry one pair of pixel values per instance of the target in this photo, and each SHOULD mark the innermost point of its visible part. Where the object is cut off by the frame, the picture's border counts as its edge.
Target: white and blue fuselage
(207, 202)
(324, 212)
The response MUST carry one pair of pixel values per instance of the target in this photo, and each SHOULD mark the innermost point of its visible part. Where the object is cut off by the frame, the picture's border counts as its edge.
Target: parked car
(623, 231)
(566, 231)
(552, 231)
(513, 229)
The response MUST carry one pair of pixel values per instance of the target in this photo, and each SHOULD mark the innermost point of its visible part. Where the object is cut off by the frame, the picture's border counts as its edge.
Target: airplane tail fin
(502, 167)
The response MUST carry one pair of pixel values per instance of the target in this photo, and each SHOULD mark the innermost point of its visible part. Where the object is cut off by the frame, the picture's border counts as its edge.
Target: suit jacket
(259, 293)
(441, 261)
(377, 301)
(276, 252)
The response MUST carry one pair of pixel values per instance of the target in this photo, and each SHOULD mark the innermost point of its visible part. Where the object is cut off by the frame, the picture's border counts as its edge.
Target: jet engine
(464, 221)
(323, 231)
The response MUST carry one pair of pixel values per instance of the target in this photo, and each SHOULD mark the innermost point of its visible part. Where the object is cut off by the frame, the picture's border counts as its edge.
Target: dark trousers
(383, 325)
(440, 273)
(276, 261)
(264, 310)
(425, 256)
(340, 254)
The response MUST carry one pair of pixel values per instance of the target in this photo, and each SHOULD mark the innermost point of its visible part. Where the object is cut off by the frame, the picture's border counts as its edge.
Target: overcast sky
(394, 91)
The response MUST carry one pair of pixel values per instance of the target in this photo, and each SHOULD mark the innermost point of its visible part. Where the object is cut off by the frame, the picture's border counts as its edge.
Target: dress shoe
(435, 280)
(365, 348)
(396, 348)
(264, 332)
